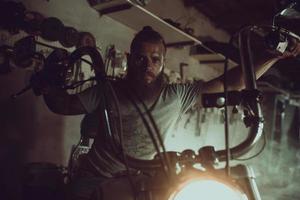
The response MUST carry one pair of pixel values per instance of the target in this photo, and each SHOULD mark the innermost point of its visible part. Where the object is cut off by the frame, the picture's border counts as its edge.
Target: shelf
(136, 17)
(201, 54)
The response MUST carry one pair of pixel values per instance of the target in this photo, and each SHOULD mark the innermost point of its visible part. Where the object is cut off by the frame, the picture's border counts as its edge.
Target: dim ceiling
(231, 15)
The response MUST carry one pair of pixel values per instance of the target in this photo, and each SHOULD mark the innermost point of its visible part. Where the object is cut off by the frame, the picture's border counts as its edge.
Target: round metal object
(220, 101)
(70, 37)
(52, 29)
(33, 22)
(5, 67)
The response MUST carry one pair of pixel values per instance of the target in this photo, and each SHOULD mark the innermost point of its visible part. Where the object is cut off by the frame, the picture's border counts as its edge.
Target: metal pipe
(255, 131)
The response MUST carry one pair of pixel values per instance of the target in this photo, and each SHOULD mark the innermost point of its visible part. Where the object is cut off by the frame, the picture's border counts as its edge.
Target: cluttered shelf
(136, 16)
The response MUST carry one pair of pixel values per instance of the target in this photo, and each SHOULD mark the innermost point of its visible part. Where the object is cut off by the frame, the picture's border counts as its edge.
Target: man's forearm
(262, 67)
(236, 78)
(264, 61)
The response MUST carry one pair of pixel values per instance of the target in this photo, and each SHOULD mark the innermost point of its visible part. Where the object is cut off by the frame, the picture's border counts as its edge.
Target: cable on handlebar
(97, 62)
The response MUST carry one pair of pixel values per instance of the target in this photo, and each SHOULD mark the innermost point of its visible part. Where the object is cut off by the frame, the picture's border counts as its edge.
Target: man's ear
(128, 56)
(164, 64)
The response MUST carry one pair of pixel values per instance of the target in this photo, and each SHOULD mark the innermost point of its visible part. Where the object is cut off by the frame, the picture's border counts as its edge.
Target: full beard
(147, 90)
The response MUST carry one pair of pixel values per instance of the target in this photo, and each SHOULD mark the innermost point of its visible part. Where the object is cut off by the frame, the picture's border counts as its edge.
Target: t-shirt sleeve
(189, 94)
(90, 98)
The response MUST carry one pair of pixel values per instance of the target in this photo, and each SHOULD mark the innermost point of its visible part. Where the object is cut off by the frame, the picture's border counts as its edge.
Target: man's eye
(156, 60)
(140, 59)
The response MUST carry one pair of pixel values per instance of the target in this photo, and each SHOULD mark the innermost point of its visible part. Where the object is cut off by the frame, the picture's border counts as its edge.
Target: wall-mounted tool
(86, 39)
(5, 54)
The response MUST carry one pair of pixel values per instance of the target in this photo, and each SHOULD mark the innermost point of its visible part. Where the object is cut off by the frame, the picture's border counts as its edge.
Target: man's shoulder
(177, 85)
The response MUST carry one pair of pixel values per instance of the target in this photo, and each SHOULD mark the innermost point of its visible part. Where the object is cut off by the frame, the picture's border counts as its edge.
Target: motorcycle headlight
(206, 189)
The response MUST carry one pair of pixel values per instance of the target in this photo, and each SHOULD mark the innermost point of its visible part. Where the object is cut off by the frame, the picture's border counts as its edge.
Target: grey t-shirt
(173, 101)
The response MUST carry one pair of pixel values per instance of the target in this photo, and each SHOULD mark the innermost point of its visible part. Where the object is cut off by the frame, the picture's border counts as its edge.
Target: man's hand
(293, 49)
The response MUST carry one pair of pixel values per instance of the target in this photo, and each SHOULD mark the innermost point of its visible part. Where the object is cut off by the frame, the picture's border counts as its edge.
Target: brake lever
(34, 80)
(21, 92)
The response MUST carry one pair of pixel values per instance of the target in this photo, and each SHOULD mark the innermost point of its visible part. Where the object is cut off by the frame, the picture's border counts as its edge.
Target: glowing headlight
(207, 189)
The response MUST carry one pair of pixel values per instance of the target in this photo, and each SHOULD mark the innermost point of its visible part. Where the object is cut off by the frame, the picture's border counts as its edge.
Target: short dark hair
(147, 34)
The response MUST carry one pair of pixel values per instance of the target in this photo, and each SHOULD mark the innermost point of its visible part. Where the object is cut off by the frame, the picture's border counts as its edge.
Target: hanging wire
(107, 116)
(225, 83)
(78, 83)
(54, 47)
(162, 156)
(121, 139)
(227, 147)
(105, 81)
(71, 161)
(226, 124)
(107, 64)
(160, 140)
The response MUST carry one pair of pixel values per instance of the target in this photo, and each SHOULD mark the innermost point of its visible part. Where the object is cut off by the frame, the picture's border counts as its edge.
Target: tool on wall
(69, 37)
(5, 56)
(115, 62)
(22, 55)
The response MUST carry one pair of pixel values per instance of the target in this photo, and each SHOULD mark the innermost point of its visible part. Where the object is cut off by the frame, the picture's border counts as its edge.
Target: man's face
(148, 62)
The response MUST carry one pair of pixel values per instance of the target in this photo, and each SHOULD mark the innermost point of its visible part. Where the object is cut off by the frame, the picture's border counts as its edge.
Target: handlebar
(256, 128)
(97, 61)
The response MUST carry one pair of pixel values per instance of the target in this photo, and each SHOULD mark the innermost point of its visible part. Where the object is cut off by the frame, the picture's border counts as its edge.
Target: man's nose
(149, 64)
